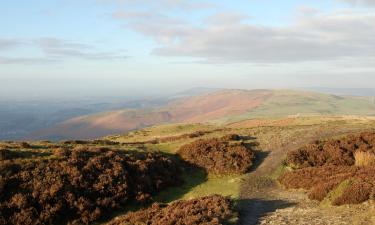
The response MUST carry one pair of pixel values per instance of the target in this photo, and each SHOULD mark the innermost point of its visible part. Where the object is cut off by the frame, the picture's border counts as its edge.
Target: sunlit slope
(300, 103)
(218, 107)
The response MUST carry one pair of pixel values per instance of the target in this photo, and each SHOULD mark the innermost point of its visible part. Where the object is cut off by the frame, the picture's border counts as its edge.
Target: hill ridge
(222, 106)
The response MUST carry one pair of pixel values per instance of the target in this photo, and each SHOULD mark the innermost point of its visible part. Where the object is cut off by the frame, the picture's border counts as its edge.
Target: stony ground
(265, 202)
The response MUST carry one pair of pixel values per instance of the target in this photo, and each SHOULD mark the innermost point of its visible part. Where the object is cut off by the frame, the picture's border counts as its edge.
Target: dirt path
(264, 202)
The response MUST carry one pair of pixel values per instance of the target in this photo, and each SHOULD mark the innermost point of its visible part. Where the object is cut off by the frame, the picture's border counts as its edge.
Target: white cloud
(226, 38)
(54, 50)
(8, 43)
(360, 2)
(226, 18)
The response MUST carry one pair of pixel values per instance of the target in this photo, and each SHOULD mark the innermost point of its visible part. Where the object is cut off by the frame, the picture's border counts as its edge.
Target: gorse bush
(80, 185)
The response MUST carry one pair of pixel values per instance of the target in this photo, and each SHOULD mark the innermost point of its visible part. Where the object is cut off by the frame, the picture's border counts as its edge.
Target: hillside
(154, 155)
(219, 107)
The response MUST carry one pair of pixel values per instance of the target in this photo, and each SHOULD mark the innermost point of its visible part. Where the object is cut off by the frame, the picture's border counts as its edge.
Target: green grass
(159, 131)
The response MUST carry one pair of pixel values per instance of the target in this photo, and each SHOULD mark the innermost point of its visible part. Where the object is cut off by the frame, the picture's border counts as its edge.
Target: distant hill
(344, 91)
(219, 107)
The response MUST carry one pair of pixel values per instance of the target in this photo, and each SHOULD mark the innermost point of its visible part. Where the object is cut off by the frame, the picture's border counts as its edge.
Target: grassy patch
(335, 193)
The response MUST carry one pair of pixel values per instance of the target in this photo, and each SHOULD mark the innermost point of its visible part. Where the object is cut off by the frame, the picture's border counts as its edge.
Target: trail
(264, 202)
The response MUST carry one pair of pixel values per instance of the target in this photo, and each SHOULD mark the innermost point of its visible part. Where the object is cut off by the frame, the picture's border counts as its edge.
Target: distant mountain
(344, 91)
(195, 92)
(220, 107)
(19, 118)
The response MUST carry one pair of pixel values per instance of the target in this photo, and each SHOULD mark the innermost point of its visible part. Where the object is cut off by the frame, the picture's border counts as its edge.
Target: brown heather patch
(81, 185)
(332, 152)
(323, 168)
(218, 156)
(211, 210)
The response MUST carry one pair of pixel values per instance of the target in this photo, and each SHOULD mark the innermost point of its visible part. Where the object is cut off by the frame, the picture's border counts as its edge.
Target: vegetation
(218, 156)
(125, 161)
(364, 158)
(338, 170)
(80, 185)
(210, 210)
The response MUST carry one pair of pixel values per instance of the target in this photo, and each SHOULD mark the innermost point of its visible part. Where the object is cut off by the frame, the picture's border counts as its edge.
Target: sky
(143, 47)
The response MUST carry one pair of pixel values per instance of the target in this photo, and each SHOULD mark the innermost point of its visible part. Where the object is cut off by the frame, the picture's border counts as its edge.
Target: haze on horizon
(124, 47)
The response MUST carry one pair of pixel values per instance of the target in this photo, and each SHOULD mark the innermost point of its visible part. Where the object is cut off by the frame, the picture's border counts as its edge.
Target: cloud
(360, 2)
(59, 48)
(24, 60)
(185, 5)
(8, 43)
(223, 37)
(54, 50)
(226, 18)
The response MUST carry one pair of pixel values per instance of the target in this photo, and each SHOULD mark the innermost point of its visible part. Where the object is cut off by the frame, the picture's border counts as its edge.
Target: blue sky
(114, 47)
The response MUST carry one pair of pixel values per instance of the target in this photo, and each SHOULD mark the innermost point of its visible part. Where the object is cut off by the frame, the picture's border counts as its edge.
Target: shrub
(231, 137)
(364, 158)
(80, 185)
(25, 145)
(332, 152)
(321, 181)
(211, 210)
(217, 156)
(5, 154)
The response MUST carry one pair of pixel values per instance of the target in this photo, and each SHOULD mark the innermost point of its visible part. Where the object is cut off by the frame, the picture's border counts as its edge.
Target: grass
(337, 192)
(284, 103)
(364, 158)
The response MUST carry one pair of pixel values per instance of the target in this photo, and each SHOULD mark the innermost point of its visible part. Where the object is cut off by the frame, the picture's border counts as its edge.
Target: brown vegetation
(332, 152)
(218, 156)
(211, 210)
(80, 185)
(341, 170)
(364, 158)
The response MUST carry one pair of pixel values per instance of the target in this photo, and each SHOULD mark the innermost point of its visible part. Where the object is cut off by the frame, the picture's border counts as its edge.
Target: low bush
(324, 167)
(217, 156)
(321, 181)
(211, 210)
(80, 185)
(332, 152)
(231, 137)
(6, 154)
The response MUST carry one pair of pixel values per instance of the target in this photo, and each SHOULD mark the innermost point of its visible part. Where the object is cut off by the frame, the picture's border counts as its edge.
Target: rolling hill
(222, 107)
